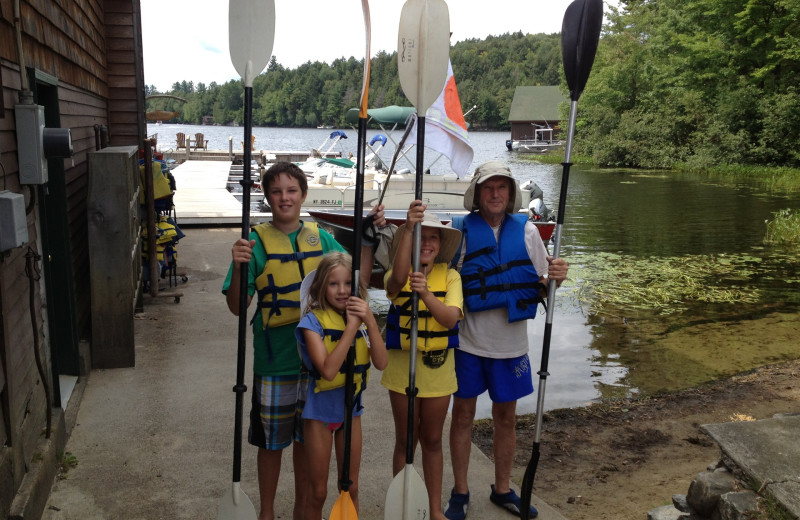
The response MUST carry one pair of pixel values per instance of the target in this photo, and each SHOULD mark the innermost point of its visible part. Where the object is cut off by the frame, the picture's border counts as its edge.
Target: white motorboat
(542, 142)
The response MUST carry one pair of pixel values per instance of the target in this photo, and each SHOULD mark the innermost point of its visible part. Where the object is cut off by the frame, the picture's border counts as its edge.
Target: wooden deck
(202, 197)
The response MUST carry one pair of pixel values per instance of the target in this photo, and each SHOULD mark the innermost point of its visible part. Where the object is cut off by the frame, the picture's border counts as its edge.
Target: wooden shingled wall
(126, 107)
(88, 54)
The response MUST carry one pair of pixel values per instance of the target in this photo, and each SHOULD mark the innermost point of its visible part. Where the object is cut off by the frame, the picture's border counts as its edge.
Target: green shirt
(286, 359)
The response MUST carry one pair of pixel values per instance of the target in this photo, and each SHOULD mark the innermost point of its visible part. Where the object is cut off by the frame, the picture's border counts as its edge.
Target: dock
(202, 197)
(232, 155)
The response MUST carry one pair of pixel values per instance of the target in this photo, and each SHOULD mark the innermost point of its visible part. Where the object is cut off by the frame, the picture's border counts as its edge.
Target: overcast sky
(188, 40)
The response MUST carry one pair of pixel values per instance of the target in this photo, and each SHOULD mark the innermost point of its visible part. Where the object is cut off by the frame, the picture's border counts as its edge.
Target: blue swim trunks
(506, 379)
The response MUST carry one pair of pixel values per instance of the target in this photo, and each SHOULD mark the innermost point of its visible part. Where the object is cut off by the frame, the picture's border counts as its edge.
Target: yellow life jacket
(431, 335)
(332, 328)
(161, 184)
(166, 235)
(287, 264)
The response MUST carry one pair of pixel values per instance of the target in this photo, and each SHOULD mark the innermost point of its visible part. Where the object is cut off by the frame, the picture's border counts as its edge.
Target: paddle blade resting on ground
(235, 505)
(408, 484)
(251, 33)
(344, 508)
(423, 44)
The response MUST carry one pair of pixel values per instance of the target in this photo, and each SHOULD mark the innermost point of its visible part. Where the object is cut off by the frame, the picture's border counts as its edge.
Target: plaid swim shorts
(276, 411)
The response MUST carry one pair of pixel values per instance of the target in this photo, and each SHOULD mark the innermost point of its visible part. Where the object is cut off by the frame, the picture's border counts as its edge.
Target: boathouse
(74, 85)
(535, 107)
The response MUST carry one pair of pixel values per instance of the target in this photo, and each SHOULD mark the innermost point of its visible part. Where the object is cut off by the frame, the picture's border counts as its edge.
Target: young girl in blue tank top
(332, 322)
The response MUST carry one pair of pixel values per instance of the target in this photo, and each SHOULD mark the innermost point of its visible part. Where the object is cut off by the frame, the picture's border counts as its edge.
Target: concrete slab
(156, 441)
(768, 450)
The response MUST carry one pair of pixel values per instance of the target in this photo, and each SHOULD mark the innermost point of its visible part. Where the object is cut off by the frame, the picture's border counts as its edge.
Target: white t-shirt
(488, 333)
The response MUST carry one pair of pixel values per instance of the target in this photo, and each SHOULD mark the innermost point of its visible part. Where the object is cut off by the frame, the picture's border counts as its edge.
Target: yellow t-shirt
(430, 382)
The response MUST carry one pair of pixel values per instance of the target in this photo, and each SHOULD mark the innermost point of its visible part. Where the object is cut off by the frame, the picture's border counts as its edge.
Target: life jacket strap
(495, 270)
(479, 252)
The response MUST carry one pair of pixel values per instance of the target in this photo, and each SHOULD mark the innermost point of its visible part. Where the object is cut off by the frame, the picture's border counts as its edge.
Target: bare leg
(400, 412)
(301, 479)
(432, 413)
(269, 469)
(318, 449)
(355, 456)
(504, 443)
(461, 440)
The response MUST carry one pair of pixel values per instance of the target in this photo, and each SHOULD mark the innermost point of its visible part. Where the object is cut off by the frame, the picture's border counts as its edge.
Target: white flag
(446, 129)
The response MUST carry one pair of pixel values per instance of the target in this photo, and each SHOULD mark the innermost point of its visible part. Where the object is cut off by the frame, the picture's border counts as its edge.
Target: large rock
(707, 488)
(679, 501)
(735, 505)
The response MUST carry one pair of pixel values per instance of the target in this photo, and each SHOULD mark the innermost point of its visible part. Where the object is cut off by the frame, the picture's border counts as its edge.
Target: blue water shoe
(511, 502)
(457, 507)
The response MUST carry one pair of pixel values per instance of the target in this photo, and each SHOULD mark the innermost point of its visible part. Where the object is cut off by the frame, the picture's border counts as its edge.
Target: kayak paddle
(251, 32)
(344, 508)
(580, 34)
(423, 43)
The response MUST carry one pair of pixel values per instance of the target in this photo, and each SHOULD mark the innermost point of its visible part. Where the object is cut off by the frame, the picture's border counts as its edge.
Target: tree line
(487, 72)
(693, 83)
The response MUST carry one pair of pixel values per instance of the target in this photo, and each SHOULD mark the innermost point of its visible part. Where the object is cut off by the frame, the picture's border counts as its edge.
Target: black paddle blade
(580, 34)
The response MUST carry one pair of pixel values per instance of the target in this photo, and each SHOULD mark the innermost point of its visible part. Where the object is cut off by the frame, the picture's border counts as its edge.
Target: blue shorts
(506, 379)
(276, 411)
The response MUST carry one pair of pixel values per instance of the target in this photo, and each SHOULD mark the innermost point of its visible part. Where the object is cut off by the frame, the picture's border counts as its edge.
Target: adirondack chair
(252, 142)
(181, 138)
(199, 142)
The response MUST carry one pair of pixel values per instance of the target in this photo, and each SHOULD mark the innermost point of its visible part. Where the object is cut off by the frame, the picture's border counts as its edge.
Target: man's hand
(557, 270)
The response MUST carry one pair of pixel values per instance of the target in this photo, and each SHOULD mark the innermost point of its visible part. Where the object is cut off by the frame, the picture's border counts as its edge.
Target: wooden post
(114, 254)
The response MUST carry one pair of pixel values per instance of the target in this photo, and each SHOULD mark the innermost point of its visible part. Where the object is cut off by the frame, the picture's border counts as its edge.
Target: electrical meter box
(13, 224)
(30, 144)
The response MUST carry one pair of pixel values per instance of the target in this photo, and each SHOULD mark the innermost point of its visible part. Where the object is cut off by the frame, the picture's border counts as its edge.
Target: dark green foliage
(700, 83)
(316, 93)
(694, 84)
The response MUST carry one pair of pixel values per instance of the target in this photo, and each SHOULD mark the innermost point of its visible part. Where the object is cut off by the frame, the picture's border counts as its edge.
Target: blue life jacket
(496, 277)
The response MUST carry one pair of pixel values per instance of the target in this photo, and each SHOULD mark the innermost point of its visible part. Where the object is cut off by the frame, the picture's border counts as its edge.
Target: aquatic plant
(608, 283)
(784, 229)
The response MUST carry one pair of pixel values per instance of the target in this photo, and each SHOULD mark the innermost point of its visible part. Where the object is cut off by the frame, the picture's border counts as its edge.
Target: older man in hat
(504, 268)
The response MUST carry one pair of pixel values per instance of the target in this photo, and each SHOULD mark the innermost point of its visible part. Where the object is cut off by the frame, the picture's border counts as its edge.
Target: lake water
(626, 232)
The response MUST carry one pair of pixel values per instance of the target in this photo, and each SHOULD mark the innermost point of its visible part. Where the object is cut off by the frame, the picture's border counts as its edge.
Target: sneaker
(511, 502)
(457, 507)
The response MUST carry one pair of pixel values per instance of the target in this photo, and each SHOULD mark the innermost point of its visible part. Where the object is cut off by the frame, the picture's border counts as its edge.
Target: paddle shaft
(580, 34)
(241, 388)
(411, 391)
(552, 285)
(358, 216)
(358, 210)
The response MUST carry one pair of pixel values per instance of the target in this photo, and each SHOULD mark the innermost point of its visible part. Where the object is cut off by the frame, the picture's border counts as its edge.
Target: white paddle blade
(235, 505)
(407, 497)
(251, 33)
(423, 51)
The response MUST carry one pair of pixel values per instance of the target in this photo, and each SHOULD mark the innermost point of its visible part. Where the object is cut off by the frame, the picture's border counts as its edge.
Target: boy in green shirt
(293, 249)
